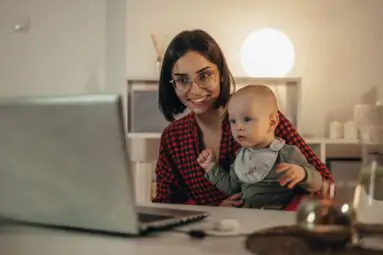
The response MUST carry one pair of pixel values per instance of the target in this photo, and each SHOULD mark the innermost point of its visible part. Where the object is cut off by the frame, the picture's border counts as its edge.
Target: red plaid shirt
(180, 179)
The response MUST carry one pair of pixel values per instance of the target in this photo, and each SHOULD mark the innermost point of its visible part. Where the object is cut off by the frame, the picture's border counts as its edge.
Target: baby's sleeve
(313, 180)
(225, 181)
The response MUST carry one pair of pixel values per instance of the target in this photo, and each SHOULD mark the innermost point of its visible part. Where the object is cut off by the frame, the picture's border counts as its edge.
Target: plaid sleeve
(168, 187)
(286, 131)
(164, 174)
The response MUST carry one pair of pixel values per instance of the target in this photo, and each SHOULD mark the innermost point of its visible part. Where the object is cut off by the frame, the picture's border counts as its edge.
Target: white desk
(36, 241)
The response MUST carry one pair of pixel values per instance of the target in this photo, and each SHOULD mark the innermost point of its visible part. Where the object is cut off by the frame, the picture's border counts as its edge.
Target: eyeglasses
(204, 80)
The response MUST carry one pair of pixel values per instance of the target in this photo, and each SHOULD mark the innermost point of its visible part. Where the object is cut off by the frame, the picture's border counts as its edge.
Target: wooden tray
(292, 240)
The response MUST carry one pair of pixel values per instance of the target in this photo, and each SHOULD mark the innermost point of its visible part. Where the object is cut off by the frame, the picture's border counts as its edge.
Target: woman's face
(196, 81)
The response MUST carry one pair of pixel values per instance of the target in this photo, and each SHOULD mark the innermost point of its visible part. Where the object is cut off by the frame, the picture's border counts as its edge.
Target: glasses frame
(213, 75)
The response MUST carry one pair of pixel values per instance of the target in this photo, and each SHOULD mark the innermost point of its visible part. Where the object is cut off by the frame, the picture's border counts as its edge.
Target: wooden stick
(155, 44)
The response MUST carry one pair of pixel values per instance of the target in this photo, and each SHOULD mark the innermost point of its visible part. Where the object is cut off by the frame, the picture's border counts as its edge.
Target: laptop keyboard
(145, 217)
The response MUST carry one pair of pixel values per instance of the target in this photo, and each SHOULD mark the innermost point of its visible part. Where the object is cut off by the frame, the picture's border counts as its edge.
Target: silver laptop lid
(63, 161)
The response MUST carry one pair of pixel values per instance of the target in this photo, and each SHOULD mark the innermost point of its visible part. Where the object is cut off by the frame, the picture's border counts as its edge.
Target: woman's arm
(286, 131)
(168, 190)
(164, 176)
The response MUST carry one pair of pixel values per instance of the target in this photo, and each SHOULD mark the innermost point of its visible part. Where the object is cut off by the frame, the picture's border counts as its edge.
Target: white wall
(339, 44)
(79, 45)
(71, 47)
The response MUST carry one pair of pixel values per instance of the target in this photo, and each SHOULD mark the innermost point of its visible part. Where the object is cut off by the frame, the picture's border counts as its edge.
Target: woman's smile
(199, 100)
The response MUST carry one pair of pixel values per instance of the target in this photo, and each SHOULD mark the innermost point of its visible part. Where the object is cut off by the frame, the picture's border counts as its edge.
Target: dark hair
(186, 41)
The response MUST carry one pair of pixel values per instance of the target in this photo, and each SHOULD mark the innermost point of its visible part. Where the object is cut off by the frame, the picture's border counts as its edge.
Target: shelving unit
(142, 100)
(145, 124)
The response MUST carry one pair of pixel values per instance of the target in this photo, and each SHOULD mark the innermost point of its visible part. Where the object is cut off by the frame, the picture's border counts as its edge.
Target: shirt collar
(276, 145)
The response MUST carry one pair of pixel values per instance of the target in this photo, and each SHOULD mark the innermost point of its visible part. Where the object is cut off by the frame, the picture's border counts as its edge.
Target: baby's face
(249, 121)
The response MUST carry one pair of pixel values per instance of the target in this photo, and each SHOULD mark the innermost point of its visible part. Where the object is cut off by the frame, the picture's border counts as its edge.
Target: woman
(195, 76)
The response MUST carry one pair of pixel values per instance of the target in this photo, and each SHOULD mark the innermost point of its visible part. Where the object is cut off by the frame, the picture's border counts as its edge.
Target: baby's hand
(291, 174)
(206, 159)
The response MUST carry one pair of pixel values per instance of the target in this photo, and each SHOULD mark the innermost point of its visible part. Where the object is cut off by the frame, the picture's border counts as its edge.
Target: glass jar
(369, 192)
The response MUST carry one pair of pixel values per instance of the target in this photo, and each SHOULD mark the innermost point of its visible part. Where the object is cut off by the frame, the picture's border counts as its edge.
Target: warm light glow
(267, 53)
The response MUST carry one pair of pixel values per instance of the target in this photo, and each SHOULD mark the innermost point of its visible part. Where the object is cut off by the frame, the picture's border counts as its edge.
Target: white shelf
(144, 135)
(286, 89)
(342, 141)
(238, 79)
(330, 141)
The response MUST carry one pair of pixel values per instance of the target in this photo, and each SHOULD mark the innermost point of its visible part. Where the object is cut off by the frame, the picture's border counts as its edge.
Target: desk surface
(36, 241)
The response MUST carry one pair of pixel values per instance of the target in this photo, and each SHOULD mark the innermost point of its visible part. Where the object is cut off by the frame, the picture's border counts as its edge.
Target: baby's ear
(274, 120)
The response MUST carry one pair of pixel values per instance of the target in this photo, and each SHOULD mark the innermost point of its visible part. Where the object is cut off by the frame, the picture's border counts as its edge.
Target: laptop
(64, 163)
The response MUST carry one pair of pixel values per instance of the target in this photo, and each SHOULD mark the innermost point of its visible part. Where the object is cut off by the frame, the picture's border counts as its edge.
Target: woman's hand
(233, 201)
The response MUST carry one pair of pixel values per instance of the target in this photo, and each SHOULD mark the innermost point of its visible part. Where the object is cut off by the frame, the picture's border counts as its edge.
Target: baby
(266, 170)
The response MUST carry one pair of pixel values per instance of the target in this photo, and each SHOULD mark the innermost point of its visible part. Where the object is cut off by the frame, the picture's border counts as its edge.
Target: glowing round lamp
(267, 53)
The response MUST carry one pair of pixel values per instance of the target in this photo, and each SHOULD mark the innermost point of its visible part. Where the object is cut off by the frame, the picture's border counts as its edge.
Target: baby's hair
(261, 93)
